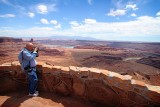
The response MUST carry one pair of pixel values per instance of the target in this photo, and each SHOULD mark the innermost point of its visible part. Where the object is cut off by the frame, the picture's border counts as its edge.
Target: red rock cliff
(97, 85)
(8, 39)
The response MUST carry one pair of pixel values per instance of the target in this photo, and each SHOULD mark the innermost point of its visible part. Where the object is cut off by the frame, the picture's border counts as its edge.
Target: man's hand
(36, 49)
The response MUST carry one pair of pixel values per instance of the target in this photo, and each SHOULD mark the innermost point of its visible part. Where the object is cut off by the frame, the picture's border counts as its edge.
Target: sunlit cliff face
(111, 88)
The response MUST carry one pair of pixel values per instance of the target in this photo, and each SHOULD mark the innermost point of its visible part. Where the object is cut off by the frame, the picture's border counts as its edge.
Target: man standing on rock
(28, 65)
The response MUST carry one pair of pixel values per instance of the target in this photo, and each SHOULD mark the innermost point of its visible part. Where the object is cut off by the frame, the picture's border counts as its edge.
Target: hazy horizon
(109, 20)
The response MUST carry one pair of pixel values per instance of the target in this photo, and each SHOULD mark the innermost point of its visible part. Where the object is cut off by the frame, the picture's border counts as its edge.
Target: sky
(118, 20)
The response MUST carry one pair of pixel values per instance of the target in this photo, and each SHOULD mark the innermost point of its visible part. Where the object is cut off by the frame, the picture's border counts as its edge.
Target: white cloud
(8, 16)
(52, 7)
(133, 15)
(131, 6)
(121, 4)
(57, 26)
(118, 3)
(117, 12)
(42, 9)
(30, 14)
(34, 32)
(143, 26)
(45, 8)
(122, 11)
(74, 23)
(158, 13)
(44, 21)
(90, 21)
(89, 2)
(147, 18)
(53, 22)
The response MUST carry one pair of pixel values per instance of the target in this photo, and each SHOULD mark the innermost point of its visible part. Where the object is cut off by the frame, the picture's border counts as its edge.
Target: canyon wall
(9, 39)
(92, 84)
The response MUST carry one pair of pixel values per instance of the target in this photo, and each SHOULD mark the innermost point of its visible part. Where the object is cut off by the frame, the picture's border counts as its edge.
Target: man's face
(31, 48)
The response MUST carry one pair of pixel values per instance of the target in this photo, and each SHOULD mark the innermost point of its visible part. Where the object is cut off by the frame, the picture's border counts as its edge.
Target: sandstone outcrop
(152, 61)
(97, 85)
(51, 51)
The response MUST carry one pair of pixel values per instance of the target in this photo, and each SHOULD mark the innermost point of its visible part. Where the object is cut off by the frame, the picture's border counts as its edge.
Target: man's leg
(35, 81)
(32, 82)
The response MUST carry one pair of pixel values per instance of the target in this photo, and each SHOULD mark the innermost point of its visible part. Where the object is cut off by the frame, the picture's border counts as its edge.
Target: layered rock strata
(9, 39)
(97, 85)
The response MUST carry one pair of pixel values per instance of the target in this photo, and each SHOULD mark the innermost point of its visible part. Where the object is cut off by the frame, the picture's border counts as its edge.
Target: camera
(37, 49)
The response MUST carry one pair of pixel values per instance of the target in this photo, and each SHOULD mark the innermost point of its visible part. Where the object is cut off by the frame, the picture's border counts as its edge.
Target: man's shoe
(37, 92)
(33, 95)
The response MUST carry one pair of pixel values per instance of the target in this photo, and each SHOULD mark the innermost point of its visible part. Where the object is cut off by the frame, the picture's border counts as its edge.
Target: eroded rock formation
(152, 61)
(9, 39)
(97, 85)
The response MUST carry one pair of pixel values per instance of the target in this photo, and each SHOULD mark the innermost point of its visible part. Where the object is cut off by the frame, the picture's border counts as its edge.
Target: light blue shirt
(28, 57)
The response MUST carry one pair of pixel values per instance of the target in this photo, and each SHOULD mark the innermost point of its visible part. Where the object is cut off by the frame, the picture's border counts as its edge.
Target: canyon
(83, 74)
